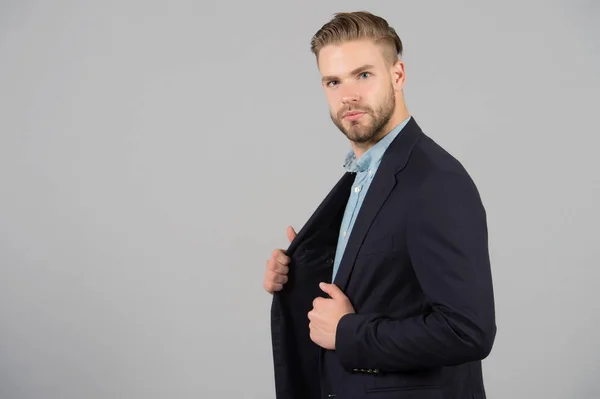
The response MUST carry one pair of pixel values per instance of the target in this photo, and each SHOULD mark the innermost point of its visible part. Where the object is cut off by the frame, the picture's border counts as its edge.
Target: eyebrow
(354, 72)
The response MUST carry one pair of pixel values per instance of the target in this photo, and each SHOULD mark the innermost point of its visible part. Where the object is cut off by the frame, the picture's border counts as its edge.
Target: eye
(331, 83)
(365, 74)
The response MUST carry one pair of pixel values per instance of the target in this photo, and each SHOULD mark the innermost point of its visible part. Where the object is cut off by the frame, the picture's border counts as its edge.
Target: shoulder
(428, 157)
(435, 171)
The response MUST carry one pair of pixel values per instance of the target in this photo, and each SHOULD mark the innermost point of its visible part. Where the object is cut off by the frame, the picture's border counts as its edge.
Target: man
(386, 292)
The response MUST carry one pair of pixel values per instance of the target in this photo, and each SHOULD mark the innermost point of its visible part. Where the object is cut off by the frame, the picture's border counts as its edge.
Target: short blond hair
(347, 26)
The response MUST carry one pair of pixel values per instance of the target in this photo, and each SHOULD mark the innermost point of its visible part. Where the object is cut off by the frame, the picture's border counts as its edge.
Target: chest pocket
(378, 243)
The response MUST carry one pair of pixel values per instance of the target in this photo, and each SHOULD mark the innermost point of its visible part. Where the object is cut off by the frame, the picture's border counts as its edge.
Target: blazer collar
(398, 153)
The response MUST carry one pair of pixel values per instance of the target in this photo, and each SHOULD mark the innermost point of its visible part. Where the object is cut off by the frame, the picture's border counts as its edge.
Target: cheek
(334, 102)
(369, 92)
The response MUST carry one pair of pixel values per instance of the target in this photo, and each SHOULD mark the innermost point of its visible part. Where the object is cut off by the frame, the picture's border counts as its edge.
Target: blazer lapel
(380, 189)
(338, 196)
(393, 161)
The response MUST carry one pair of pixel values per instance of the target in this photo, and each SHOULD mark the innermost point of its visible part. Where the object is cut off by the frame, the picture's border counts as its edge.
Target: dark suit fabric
(417, 271)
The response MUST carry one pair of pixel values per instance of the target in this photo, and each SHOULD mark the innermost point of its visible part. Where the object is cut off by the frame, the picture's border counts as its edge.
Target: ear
(398, 75)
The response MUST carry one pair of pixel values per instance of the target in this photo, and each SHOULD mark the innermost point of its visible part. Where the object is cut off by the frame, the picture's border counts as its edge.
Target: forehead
(339, 59)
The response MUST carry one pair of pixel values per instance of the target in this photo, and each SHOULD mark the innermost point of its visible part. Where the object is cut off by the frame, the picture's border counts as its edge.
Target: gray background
(152, 154)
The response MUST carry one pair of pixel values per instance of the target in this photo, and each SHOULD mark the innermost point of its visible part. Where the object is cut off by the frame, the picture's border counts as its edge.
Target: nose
(350, 94)
(350, 98)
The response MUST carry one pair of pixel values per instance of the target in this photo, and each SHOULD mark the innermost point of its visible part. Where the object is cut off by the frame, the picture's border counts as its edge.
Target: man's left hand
(326, 314)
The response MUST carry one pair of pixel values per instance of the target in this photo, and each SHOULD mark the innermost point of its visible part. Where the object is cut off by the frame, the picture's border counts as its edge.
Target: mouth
(353, 115)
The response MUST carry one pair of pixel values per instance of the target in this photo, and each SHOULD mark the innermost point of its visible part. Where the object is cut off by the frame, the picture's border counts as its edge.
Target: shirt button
(357, 189)
(344, 233)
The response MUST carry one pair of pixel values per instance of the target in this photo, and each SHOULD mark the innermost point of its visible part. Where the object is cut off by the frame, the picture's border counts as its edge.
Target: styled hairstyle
(347, 26)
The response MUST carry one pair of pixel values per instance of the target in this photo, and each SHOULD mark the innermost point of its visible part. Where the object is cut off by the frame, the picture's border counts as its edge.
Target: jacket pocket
(379, 244)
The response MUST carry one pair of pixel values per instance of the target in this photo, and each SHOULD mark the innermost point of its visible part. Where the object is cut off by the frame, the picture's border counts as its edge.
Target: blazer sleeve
(448, 246)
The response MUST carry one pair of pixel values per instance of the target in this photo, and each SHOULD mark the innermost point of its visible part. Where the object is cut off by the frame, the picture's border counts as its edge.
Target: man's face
(358, 83)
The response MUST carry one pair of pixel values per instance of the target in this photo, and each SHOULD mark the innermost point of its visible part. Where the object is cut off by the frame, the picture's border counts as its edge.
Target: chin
(360, 138)
(360, 131)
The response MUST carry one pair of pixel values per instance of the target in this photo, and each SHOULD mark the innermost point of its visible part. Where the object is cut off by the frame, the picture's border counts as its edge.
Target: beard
(366, 129)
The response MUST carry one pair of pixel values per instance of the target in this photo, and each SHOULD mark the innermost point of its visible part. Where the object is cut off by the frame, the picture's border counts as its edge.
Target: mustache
(341, 113)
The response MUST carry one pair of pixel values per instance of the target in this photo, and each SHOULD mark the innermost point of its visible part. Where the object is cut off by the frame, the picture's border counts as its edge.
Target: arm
(448, 248)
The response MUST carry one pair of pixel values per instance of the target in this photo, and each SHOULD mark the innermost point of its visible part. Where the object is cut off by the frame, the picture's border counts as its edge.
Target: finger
(281, 269)
(316, 302)
(333, 290)
(272, 287)
(276, 277)
(282, 258)
(278, 255)
(277, 267)
(273, 266)
(291, 233)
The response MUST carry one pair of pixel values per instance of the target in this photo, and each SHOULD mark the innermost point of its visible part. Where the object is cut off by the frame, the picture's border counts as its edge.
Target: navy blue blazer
(417, 271)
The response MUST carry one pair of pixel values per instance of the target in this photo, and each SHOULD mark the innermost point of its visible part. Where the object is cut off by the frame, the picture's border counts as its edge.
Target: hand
(326, 314)
(278, 267)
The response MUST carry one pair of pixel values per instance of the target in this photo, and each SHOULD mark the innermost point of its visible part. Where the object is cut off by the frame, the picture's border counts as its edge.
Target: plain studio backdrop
(152, 154)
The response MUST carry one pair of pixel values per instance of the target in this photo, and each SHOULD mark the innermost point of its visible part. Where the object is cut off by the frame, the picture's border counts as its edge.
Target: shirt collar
(372, 157)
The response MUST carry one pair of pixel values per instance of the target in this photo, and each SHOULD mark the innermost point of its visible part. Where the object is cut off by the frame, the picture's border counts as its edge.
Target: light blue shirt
(365, 168)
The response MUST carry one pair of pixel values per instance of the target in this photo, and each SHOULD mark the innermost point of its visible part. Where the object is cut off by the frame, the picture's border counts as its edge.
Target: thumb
(291, 233)
(333, 290)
